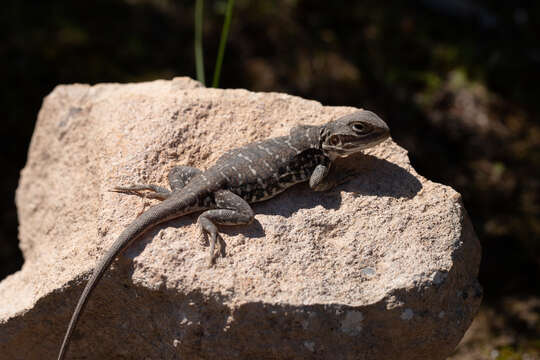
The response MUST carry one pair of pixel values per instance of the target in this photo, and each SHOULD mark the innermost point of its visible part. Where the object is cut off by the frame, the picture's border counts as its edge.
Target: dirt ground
(508, 335)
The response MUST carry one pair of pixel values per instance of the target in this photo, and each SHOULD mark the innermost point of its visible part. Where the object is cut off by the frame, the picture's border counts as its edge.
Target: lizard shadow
(377, 177)
(253, 230)
(359, 174)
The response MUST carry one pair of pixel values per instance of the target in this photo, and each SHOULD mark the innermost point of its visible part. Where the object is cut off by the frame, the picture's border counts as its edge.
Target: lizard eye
(334, 141)
(360, 128)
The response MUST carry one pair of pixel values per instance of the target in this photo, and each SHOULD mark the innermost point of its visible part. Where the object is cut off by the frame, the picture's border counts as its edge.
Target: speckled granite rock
(382, 267)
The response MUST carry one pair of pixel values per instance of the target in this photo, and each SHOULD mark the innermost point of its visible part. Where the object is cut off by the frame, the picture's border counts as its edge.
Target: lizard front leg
(322, 180)
(231, 210)
(318, 180)
(178, 177)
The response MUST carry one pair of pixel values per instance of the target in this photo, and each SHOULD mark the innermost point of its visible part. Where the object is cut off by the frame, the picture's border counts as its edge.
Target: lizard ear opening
(334, 140)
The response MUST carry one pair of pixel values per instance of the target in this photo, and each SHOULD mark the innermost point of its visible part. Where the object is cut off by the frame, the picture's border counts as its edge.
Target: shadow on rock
(370, 175)
(359, 174)
(253, 230)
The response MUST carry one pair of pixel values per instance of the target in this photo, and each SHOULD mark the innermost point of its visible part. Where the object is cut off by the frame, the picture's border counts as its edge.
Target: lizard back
(261, 170)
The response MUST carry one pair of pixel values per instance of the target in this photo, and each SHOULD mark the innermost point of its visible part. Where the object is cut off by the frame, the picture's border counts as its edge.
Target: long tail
(166, 210)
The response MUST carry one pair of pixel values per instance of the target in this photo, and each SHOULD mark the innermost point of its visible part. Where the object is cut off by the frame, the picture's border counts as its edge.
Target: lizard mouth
(352, 144)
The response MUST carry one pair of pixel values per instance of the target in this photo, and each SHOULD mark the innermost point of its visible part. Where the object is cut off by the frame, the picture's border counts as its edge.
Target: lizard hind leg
(180, 176)
(231, 210)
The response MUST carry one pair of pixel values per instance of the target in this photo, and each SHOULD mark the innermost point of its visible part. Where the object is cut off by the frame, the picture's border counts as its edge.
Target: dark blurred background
(456, 80)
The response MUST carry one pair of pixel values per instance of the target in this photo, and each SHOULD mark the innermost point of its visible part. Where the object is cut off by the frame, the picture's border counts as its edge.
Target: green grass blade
(199, 62)
(223, 42)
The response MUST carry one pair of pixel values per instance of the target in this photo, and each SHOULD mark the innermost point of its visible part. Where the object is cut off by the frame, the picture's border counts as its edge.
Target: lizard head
(351, 133)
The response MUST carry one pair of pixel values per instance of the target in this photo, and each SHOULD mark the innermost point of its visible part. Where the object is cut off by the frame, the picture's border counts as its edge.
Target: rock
(382, 267)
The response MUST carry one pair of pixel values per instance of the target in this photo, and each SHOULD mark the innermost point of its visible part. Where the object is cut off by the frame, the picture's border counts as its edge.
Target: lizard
(249, 174)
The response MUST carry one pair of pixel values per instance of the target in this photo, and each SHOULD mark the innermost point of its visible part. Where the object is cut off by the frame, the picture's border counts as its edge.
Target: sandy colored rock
(382, 267)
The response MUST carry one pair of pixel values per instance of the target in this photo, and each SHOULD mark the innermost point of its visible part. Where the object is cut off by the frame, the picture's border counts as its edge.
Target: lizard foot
(144, 191)
(209, 239)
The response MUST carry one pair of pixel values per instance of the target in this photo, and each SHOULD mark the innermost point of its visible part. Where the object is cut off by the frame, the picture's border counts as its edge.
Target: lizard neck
(307, 137)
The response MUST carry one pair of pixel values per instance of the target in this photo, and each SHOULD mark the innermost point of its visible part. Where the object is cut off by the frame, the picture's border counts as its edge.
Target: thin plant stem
(223, 42)
(199, 62)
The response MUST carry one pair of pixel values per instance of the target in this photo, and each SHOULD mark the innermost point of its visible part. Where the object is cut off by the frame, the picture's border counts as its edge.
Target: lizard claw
(132, 190)
(210, 239)
(121, 190)
(144, 191)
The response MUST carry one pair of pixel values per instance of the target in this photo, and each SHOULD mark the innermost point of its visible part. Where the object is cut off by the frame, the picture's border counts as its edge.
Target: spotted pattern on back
(261, 170)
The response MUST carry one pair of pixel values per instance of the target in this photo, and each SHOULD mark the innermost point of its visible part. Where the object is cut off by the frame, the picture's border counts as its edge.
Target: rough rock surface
(382, 267)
